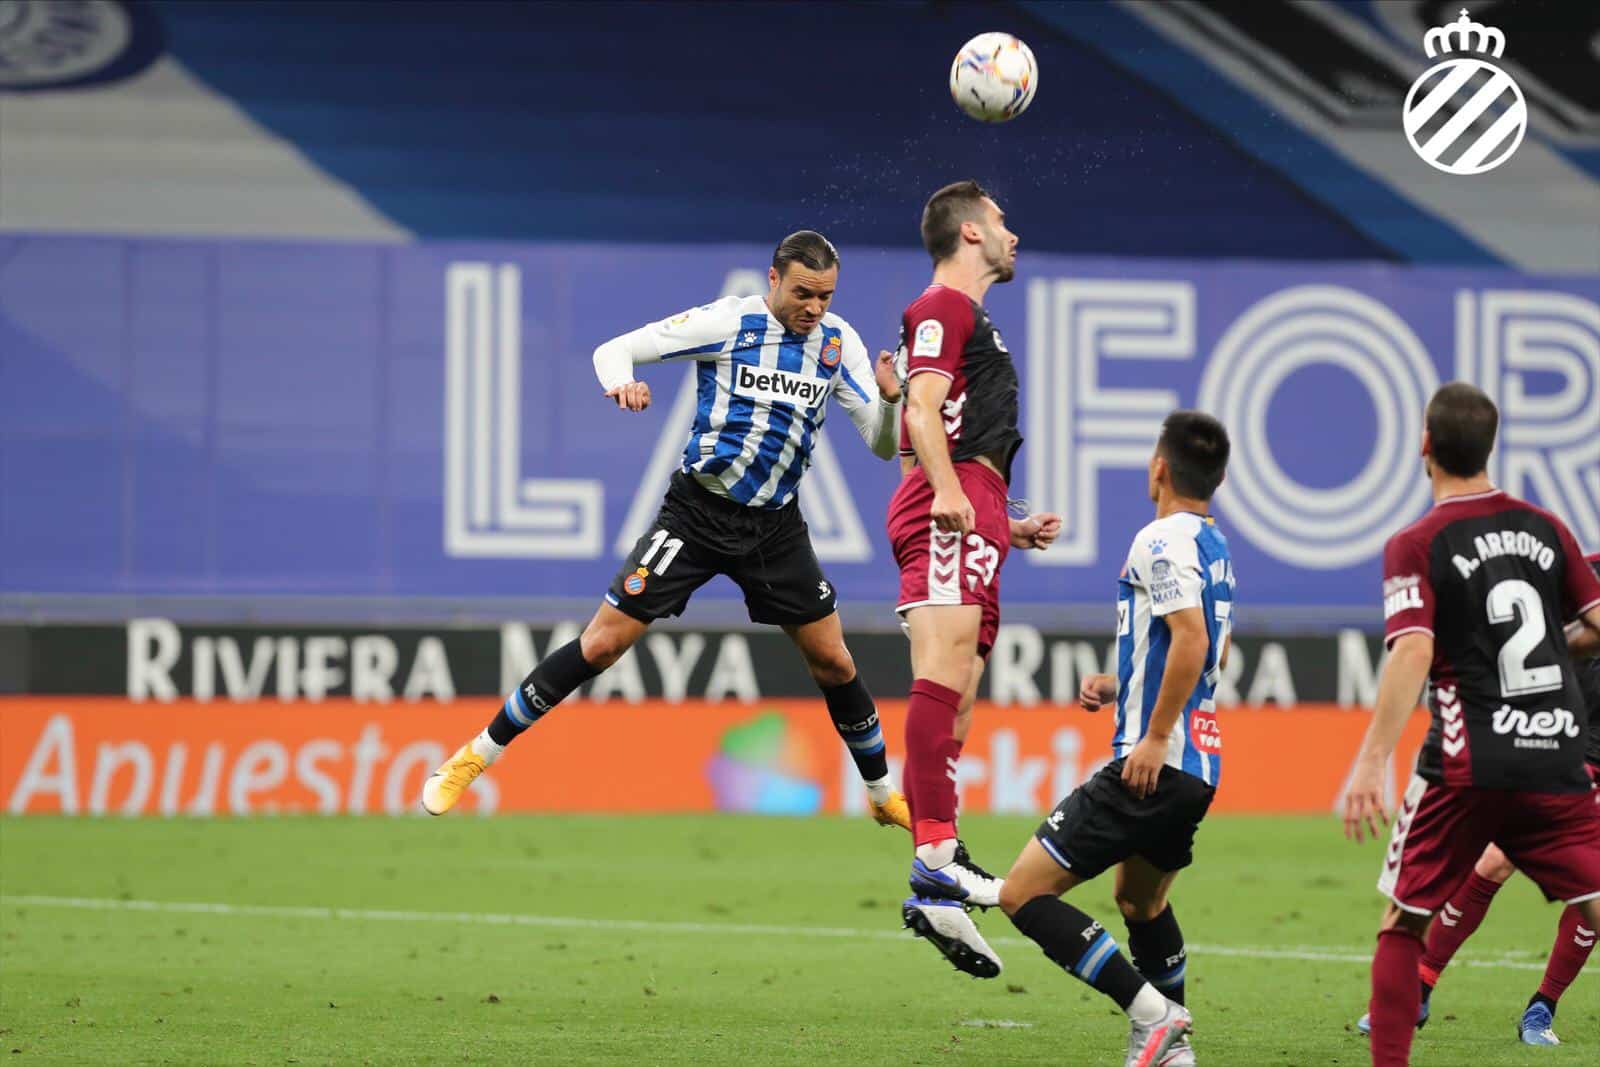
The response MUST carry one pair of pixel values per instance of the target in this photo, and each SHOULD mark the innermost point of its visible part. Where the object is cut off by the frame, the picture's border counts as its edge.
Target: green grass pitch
(703, 940)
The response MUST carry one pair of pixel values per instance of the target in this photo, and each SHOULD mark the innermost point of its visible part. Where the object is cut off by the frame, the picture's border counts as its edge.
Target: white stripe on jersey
(760, 414)
(797, 427)
(1133, 723)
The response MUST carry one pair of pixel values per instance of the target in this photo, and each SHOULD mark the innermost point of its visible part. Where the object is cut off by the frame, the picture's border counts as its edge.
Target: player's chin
(1005, 272)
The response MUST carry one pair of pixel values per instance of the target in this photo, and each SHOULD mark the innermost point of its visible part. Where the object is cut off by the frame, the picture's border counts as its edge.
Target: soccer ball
(994, 77)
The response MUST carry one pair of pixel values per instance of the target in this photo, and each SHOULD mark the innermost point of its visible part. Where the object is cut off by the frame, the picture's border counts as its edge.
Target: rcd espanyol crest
(1465, 115)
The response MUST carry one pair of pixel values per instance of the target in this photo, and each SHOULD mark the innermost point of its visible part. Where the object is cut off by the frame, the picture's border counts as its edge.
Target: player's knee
(603, 645)
(1494, 865)
(1015, 892)
(831, 666)
(1135, 910)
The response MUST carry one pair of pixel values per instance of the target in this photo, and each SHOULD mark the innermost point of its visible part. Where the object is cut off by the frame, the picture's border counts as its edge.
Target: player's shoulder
(943, 303)
(831, 321)
(1164, 536)
(720, 312)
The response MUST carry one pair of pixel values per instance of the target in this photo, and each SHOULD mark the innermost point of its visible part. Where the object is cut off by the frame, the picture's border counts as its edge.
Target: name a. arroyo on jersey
(780, 386)
(1539, 729)
(1506, 543)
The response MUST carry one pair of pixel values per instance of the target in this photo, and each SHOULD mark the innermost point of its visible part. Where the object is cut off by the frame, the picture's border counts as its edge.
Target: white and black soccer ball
(994, 77)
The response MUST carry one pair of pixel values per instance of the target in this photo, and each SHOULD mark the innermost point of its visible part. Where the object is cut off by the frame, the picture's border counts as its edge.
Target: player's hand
(1097, 691)
(888, 380)
(634, 396)
(1363, 804)
(1035, 531)
(1142, 769)
(952, 512)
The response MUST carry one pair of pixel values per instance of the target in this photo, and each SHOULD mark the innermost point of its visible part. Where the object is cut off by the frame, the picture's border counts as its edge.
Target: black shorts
(698, 535)
(1101, 823)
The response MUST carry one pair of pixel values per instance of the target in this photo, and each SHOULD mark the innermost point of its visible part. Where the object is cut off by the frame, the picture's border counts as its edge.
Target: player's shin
(855, 717)
(1159, 954)
(1395, 996)
(551, 682)
(1455, 923)
(931, 754)
(1081, 946)
(1575, 939)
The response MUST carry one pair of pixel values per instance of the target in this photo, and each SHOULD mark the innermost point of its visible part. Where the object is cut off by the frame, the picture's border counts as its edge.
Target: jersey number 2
(1508, 600)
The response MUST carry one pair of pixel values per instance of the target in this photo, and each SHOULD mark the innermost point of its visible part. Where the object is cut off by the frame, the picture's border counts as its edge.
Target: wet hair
(1195, 446)
(1461, 422)
(806, 247)
(944, 213)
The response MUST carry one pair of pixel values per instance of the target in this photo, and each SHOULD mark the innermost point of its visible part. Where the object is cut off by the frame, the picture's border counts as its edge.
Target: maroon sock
(931, 753)
(1455, 923)
(1574, 942)
(1395, 996)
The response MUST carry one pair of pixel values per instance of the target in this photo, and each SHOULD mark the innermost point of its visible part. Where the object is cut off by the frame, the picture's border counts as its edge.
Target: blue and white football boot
(947, 926)
(1536, 1024)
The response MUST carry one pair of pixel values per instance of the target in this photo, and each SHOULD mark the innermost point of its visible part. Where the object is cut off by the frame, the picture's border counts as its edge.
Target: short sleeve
(1407, 590)
(1581, 589)
(697, 332)
(1169, 567)
(939, 327)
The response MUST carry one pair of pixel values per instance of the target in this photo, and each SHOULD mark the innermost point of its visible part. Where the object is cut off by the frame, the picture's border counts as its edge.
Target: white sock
(937, 854)
(485, 747)
(879, 789)
(1148, 1007)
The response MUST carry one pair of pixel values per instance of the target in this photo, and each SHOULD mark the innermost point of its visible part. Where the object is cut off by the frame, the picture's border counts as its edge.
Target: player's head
(804, 272)
(962, 219)
(1458, 430)
(1191, 456)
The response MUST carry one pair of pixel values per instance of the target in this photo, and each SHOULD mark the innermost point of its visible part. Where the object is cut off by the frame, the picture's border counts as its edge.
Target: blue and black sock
(1079, 945)
(1158, 953)
(855, 716)
(551, 682)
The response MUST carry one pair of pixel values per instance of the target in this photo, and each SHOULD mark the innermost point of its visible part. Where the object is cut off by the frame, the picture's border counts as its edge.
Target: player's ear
(1427, 443)
(772, 278)
(971, 232)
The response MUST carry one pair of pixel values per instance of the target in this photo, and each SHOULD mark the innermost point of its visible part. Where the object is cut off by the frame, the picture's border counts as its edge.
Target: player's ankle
(880, 789)
(487, 748)
(1148, 1006)
(936, 854)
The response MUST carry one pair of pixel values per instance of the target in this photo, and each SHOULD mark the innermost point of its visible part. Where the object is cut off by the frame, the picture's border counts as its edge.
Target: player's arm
(1583, 636)
(940, 332)
(1408, 607)
(1186, 660)
(699, 333)
(951, 510)
(1399, 686)
(870, 394)
(1581, 594)
(1170, 570)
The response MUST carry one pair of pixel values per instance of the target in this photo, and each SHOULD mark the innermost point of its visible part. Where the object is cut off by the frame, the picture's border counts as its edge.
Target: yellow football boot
(892, 812)
(445, 787)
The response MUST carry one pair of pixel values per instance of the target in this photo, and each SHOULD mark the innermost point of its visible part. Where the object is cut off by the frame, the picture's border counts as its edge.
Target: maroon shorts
(1440, 831)
(947, 568)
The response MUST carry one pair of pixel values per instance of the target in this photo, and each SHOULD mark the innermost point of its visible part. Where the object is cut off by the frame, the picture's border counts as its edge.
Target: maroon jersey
(1589, 683)
(1494, 580)
(945, 332)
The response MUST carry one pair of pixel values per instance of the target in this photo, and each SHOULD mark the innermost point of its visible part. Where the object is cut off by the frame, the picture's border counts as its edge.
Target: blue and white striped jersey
(762, 393)
(1177, 562)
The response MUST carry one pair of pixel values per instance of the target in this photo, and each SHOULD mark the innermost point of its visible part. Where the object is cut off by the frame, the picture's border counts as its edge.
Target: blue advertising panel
(248, 418)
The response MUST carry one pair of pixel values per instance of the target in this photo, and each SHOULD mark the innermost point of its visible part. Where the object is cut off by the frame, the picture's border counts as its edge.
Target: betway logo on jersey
(1401, 594)
(1538, 730)
(778, 386)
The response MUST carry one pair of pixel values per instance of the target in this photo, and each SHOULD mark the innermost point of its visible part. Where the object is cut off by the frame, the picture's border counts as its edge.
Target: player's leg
(854, 714)
(1458, 919)
(1575, 938)
(1396, 997)
(944, 649)
(1555, 840)
(1439, 834)
(1154, 938)
(656, 580)
(1462, 914)
(1081, 946)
